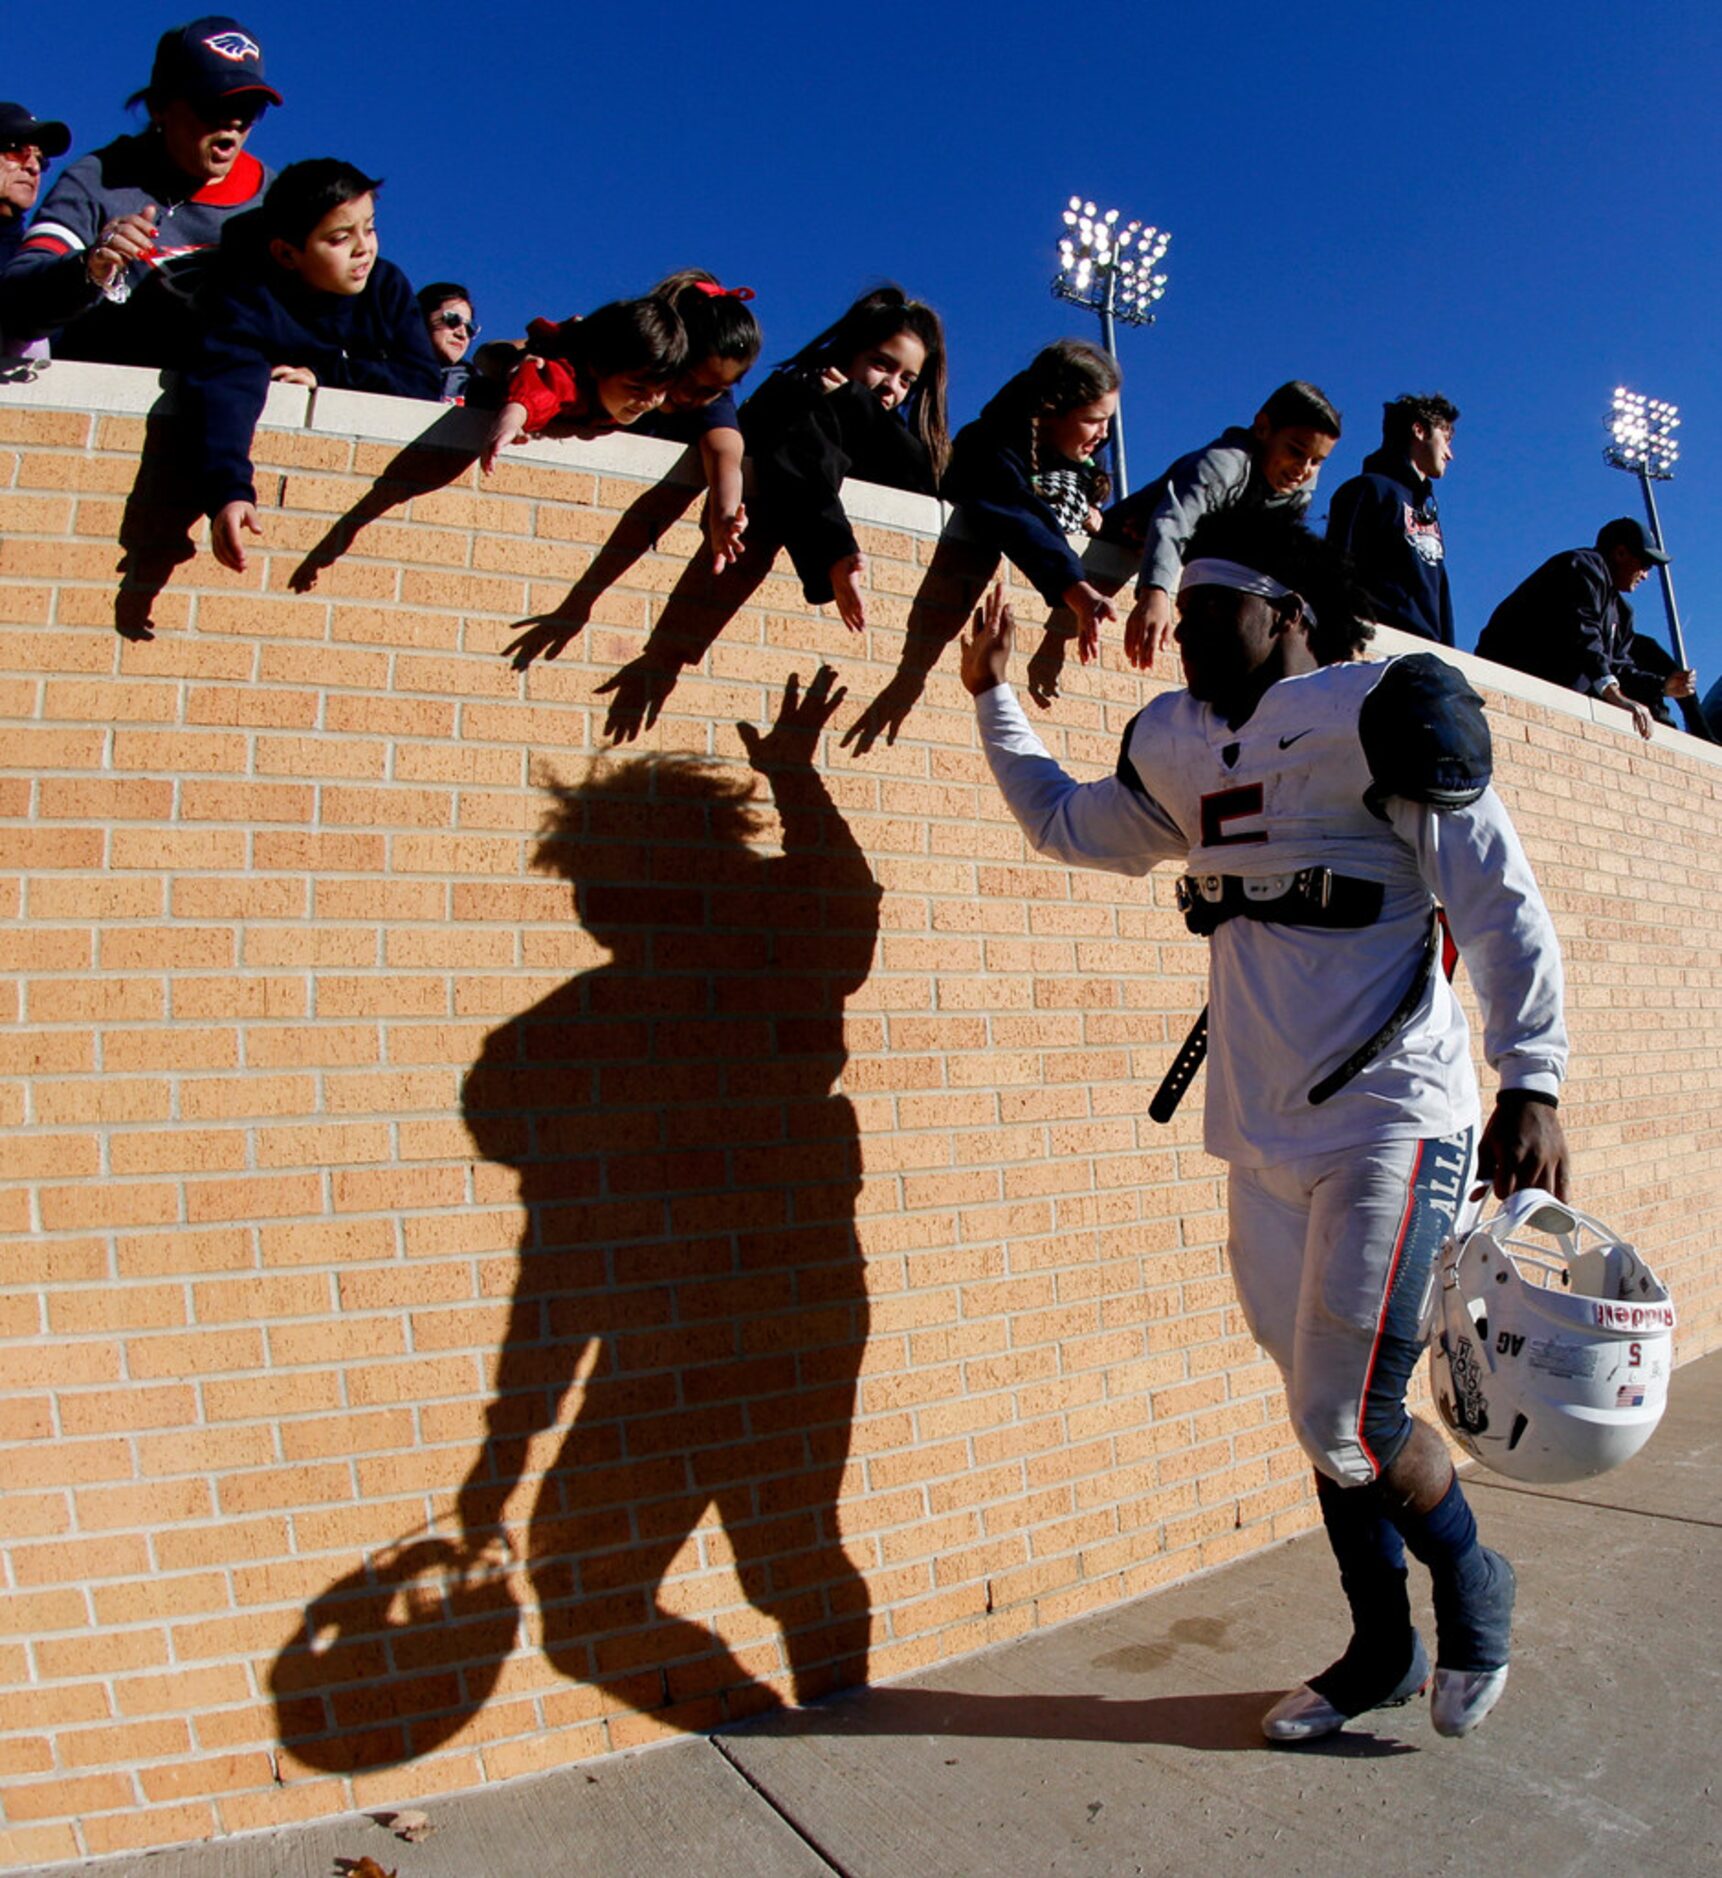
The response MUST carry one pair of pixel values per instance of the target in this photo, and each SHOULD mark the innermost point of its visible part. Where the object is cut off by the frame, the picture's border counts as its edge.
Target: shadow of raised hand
(793, 741)
(637, 695)
(441, 454)
(547, 636)
(1046, 668)
(887, 713)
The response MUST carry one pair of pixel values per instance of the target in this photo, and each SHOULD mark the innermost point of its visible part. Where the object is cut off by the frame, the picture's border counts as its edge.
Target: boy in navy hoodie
(303, 299)
(1386, 519)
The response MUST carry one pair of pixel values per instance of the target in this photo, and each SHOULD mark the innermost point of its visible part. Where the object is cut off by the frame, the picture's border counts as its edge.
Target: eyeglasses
(22, 152)
(455, 323)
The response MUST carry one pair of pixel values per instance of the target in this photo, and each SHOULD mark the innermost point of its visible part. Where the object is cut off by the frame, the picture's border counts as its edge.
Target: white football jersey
(1288, 1004)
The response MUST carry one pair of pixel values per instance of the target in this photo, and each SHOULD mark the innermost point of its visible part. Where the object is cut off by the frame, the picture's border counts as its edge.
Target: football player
(1324, 804)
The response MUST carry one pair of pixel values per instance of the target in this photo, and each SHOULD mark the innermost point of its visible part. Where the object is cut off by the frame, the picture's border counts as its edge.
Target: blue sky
(1510, 204)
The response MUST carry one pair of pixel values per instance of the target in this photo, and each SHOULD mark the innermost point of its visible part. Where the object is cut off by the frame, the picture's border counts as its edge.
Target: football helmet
(1554, 1343)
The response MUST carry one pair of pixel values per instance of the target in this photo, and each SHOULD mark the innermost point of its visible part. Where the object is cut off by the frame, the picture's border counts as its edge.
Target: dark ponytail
(640, 338)
(717, 319)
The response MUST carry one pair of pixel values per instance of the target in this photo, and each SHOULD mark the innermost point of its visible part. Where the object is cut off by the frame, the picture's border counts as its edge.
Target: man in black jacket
(1386, 519)
(1571, 623)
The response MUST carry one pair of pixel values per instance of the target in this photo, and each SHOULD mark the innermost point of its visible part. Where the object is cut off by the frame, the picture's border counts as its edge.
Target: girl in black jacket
(1024, 476)
(866, 398)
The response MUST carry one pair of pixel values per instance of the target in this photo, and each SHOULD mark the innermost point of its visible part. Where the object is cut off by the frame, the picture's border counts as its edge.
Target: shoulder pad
(1126, 771)
(1424, 735)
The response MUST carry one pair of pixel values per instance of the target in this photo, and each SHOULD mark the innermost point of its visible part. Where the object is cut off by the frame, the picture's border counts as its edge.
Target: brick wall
(509, 1256)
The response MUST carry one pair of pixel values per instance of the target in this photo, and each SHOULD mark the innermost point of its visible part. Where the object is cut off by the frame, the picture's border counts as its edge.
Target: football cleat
(1462, 1697)
(1305, 1715)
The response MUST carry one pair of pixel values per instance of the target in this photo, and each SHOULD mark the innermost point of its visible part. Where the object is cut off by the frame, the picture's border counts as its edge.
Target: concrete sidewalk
(1128, 1743)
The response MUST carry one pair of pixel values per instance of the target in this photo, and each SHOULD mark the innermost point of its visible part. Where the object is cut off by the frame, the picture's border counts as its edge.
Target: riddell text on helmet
(1610, 1316)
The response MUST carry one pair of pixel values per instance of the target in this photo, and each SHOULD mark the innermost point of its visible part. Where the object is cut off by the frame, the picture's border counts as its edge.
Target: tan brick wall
(854, 1103)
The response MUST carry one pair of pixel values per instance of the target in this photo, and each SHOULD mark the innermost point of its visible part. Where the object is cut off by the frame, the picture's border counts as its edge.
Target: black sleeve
(1126, 771)
(222, 394)
(41, 290)
(404, 365)
(1425, 735)
(1353, 520)
(799, 472)
(1366, 521)
(990, 484)
(1589, 629)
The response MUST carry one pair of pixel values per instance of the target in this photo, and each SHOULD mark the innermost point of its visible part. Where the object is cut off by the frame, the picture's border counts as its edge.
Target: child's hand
(831, 379)
(508, 426)
(986, 656)
(1092, 610)
(1092, 520)
(846, 591)
(724, 533)
(294, 375)
(1148, 630)
(224, 532)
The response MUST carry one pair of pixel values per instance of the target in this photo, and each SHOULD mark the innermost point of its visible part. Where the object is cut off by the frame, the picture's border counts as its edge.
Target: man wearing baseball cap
(117, 245)
(1571, 623)
(26, 145)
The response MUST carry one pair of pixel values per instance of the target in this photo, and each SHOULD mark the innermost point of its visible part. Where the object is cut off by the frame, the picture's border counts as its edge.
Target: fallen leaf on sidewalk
(411, 1826)
(366, 1867)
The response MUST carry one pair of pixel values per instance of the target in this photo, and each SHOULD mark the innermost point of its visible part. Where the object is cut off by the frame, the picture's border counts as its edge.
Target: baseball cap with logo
(209, 62)
(18, 128)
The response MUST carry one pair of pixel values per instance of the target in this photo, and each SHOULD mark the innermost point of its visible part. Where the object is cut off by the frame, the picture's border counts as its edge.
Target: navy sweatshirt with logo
(1386, 520)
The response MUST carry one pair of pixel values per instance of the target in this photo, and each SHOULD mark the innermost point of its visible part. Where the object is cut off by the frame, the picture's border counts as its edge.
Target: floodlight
(1642, 442)
(1097, 270)
(1642, 432)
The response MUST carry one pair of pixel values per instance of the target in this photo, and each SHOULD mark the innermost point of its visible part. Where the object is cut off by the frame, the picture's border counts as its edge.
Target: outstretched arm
(726, 512)
(1104, 824)
(820, 853)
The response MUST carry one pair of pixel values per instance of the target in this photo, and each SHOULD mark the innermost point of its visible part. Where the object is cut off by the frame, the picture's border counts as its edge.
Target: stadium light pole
(1643, 443)
(1097, 269)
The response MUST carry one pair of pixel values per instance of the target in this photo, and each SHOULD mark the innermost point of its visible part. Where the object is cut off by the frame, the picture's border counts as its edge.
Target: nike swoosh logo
(1287, 742)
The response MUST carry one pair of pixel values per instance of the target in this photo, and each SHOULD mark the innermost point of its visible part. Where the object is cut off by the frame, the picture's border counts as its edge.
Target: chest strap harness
(1315, 896)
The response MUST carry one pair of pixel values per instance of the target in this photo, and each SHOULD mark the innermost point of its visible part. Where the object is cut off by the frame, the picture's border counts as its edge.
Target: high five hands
(986, 652)
(1148, 630)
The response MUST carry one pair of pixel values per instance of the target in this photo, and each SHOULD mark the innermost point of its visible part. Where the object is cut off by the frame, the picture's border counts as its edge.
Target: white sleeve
(1103, 824)
(1472, 861)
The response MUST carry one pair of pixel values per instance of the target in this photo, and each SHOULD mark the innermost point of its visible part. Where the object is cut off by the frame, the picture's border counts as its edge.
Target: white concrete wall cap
(72, 385)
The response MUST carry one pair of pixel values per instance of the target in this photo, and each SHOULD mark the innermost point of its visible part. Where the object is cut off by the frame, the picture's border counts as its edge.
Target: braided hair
(1061, 377)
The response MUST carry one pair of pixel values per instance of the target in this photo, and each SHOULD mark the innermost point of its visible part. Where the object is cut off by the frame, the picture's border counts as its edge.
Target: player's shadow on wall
(690, 1301)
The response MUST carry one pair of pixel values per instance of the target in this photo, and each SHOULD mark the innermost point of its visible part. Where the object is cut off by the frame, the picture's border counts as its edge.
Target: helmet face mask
(1554, 1343)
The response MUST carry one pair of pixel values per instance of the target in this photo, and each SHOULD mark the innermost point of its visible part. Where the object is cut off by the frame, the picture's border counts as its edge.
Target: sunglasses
(22, 152)
(217, 112)
(454, 323)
